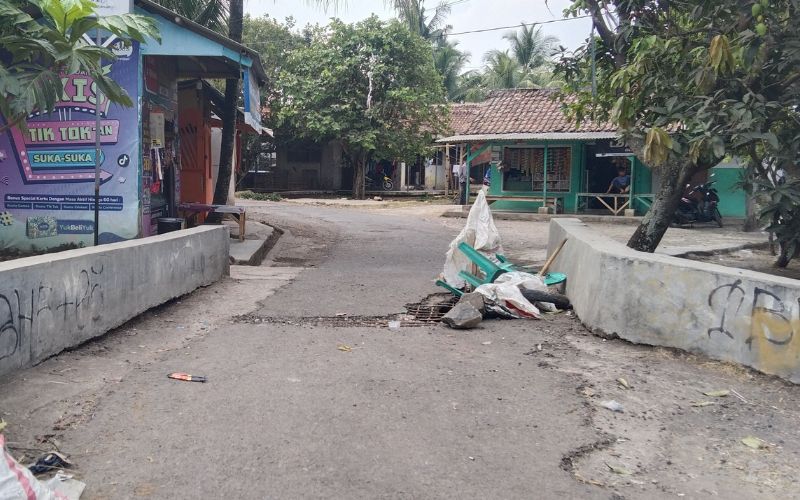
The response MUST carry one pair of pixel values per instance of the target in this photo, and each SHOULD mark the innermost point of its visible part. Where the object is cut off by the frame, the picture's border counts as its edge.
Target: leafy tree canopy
(42, 39)
(371, 85)
(690, 83)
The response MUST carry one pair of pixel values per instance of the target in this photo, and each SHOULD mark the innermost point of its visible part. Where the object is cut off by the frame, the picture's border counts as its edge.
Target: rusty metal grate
(426, 312)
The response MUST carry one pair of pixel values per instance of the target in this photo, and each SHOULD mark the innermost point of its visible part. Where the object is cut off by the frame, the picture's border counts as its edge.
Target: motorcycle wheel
(388, 185)
(717, 217)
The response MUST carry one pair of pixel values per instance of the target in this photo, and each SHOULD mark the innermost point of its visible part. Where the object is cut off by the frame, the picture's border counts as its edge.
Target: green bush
(250, 195)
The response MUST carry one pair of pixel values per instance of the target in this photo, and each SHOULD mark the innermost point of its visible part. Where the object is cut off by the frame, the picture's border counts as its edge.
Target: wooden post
(469, 168)
(447, 171)
(544, 186)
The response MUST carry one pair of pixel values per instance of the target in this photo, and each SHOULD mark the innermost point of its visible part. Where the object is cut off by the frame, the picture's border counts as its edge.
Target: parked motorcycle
(699, 204)
(386, 183)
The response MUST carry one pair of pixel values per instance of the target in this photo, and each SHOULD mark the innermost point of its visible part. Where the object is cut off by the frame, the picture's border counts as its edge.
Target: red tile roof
(519, 111)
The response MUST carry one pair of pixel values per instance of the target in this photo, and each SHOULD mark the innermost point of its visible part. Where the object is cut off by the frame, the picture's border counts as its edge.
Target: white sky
(465, 15)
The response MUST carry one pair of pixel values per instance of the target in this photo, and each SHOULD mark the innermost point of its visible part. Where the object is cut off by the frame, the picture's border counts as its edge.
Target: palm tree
(502, 70)
(412, 13)
(212, 14)
(531, 48)
(449, 62)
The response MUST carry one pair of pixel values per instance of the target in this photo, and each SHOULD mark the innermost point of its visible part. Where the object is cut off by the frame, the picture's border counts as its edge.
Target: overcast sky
(466, 15)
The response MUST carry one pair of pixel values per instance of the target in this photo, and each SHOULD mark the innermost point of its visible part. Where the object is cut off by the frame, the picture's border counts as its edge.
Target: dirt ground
(755, 259)
(513, 409)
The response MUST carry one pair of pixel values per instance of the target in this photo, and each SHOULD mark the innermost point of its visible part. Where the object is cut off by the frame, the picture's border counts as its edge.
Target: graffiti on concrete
(723, 298)
(69, 303)
(764, 321)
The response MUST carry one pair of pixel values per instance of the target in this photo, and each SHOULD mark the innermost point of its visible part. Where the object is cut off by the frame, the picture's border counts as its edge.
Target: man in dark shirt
(621, 183)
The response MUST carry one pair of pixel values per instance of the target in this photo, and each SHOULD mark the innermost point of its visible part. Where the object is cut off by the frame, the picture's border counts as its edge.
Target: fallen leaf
(623, 383)
(700, 404)
(3, 425)
(619, 470)
(754, 443)
(344, 348)
(717, 394)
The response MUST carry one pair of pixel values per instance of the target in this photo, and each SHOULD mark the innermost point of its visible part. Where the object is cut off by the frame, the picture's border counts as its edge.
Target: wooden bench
(234, 213)
(616, 209)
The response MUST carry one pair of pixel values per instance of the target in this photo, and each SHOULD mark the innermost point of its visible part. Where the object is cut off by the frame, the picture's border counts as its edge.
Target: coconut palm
(212, 14)
(449, 62)
(502, 70)
(413, 14)
(531, 48)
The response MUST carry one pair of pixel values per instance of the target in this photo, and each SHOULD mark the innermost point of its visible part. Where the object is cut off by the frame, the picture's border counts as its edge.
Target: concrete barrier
(725, 313)
(51, 302)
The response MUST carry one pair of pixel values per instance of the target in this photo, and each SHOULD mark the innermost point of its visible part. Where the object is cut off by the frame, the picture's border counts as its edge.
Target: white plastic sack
(17, 482)
(505, 292)
(480, 233)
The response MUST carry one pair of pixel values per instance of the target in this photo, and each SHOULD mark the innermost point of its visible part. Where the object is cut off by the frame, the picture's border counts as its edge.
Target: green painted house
(536, 157)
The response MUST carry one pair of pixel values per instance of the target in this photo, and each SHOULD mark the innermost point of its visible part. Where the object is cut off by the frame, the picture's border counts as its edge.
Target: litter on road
(613, 406)
(187, 377)
(475, 261)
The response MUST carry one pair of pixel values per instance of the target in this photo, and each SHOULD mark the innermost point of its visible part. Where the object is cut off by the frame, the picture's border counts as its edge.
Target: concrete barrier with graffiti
(52, 302)
(725, 313)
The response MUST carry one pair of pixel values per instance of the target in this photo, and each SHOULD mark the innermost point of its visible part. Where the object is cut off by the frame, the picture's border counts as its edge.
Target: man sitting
(621, 183)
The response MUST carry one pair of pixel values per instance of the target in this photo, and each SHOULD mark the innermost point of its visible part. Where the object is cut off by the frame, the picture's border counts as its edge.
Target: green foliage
(690, 83)
(213, 14)
(372, 86)
(414, 15)
(527, 64)
(37, 50)
(250, 195)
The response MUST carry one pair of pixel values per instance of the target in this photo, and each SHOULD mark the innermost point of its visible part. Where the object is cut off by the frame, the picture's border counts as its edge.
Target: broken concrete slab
(476, 300)
(463, 316)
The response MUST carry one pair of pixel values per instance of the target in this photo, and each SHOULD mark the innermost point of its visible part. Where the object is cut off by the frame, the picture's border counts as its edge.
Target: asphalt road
(510, 410)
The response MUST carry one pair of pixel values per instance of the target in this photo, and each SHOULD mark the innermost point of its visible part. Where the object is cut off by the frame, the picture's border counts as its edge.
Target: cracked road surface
(301, 408)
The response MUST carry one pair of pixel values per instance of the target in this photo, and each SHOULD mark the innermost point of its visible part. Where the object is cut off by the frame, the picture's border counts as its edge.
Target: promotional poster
(47, 172)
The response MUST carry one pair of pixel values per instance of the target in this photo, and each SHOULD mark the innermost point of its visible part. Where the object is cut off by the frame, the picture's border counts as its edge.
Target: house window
(523, 169)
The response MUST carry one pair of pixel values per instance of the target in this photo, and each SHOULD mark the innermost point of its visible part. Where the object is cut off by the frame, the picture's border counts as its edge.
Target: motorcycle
(700, 204)
(387, 184)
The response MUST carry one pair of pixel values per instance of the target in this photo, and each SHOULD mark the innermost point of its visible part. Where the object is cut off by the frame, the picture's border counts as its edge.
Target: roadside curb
(258, 256)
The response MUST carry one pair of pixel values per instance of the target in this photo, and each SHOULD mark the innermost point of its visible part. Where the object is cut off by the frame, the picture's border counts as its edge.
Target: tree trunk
(228, 144)
(359, 176)
(751, 215)
(657, 220)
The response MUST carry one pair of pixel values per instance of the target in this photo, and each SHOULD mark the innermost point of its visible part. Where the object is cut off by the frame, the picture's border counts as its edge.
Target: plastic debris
(754, 443)
(66, 485)
(394, 325)
(613, 406)
(717, 394)
(616, 469)
(49, 462)
(17, 481)
(187, 377)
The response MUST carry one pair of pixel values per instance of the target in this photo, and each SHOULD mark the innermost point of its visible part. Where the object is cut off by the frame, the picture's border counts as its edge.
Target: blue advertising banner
(47, 172)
